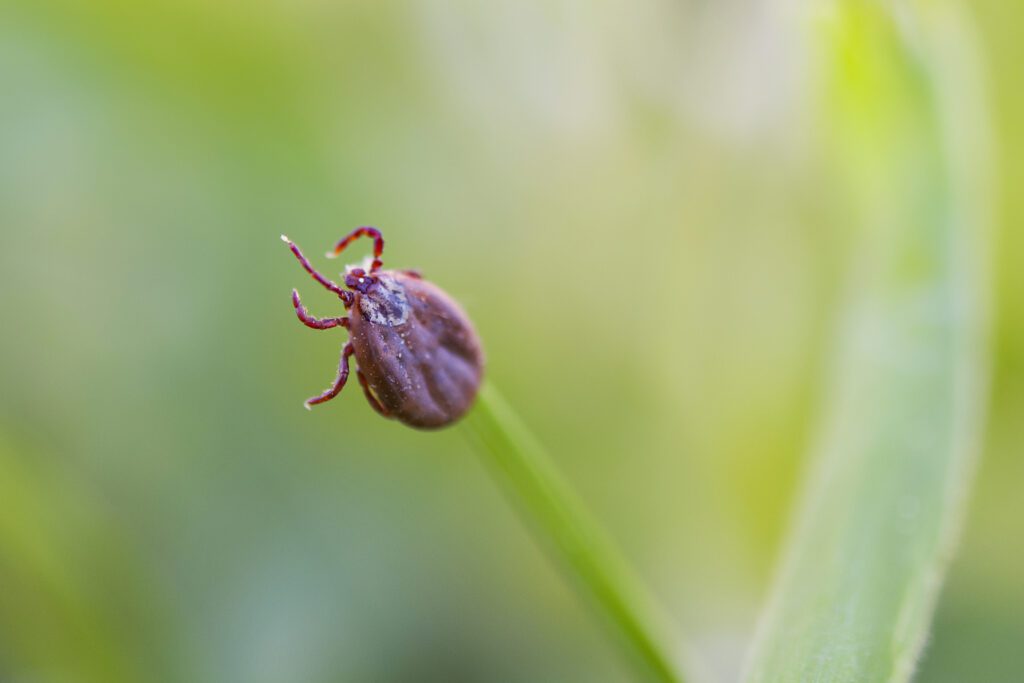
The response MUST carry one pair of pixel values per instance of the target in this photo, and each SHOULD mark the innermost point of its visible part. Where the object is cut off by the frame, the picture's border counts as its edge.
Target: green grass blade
(883, 501)
(574, 539)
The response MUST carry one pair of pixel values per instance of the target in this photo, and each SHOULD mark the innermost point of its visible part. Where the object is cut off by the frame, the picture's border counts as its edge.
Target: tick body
(418, 357)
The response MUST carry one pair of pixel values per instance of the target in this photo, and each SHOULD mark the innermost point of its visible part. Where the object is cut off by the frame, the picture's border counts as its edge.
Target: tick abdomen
(417, 349)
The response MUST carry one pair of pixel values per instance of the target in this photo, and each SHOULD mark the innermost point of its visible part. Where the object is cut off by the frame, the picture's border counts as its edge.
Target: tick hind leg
(315, 323)
(374, 403)
(339, 381)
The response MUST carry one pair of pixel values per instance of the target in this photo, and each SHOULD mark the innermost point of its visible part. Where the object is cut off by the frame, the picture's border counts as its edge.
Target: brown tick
(419, 358)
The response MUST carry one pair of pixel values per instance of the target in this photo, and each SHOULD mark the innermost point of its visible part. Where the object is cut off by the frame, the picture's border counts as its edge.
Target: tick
(418, 357)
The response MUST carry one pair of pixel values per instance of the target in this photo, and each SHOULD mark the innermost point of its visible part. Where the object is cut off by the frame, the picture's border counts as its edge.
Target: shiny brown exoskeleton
(419, 358)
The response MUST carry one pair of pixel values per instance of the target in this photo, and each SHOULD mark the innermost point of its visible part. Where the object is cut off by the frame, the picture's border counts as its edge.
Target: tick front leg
(315, 323)
(374, 403)
(365, 231)
(339, 381)
(345, 295)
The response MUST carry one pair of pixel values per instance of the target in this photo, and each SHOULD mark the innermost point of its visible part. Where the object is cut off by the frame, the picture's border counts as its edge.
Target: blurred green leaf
(49, 612)
(883, 502)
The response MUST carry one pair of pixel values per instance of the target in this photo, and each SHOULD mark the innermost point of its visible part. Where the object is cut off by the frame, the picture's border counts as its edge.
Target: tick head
(359, 280)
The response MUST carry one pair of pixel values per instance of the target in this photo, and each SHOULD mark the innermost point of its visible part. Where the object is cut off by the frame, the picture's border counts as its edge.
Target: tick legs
(365, 231)
(374, 403)
(345, 295)
(315, 323)
(339, 381)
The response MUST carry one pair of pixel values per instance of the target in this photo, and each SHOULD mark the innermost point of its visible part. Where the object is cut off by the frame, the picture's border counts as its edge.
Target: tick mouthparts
(284, 238)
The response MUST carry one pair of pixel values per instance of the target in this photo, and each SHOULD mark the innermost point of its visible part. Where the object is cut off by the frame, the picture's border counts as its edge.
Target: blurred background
(627, 198)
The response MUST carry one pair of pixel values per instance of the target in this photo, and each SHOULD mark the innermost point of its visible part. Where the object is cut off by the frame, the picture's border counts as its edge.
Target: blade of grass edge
(576, 542)
(883, 502)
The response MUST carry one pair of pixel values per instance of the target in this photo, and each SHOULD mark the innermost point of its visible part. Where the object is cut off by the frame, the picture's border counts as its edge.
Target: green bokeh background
(628, 200)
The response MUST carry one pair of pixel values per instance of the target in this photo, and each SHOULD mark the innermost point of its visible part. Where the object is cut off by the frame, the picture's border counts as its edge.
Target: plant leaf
(576, 542)
(883, 500)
